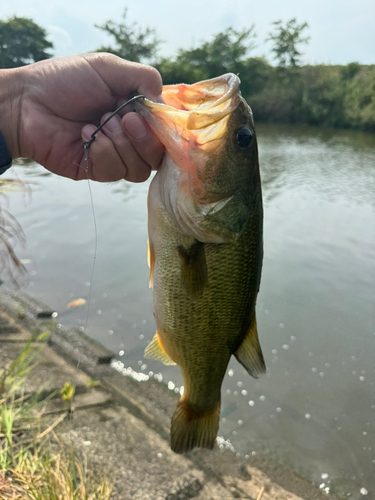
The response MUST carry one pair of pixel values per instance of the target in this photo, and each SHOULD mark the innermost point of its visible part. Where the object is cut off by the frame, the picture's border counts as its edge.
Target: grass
(29, 468)
(11, 233)
(39, 476)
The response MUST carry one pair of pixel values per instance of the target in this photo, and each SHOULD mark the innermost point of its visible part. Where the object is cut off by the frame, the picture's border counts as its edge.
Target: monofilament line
(86, 158)
(95, 251)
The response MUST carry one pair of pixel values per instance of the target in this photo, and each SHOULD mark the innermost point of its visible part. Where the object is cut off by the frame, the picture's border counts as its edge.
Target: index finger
(123, 77)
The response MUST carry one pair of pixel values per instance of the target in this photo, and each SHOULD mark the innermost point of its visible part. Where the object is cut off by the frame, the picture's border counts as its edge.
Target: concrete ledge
(36, 315)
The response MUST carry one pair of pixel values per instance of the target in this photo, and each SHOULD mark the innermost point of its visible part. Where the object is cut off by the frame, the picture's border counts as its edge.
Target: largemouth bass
(205, 246)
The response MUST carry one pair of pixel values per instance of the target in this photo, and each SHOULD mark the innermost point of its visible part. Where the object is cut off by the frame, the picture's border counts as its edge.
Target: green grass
(29, 469)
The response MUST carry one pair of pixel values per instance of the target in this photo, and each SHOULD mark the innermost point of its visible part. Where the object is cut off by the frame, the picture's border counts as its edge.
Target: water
(315, 408)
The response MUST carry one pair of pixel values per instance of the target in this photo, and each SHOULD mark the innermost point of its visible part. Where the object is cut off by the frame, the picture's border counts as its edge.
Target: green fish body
(205, 246)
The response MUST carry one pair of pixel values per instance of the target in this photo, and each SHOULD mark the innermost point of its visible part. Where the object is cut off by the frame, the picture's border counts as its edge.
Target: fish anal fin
(193, 269)
(249, 354)
(155, 350)
(151, 262)
(194, 428)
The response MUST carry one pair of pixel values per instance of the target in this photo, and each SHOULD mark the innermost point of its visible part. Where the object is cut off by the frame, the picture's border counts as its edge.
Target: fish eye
(244, 137)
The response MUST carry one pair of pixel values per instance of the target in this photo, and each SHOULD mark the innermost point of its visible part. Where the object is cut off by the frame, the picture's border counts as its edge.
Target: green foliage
(67, 393)
(15, 407)
(227, 52)
(21, 312)
(255, 74)
(27, 469)
(323, 97)
(359, 100)
(332, 96)
(349, 71)
(286, 38)
(94, 383)
(131, 42)
(177, 71)
(22, 42)
(14, 374)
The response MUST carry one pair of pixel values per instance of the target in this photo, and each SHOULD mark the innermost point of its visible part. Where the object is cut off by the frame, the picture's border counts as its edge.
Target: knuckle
(139, 175)
(156, 76)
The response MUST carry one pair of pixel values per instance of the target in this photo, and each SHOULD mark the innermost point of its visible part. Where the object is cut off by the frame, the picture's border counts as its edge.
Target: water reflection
(315, 408)
(335, 169)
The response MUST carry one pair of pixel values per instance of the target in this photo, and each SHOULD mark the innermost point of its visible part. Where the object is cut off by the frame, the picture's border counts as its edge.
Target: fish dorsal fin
(155, 350)
(151, 262)
(193, 269)
(249, 354)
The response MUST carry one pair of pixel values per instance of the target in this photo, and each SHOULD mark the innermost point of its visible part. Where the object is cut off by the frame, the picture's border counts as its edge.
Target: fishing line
(86, 158)
(86, 146)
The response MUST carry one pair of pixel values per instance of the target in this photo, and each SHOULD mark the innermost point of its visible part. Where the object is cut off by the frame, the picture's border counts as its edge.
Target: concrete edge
(37, 316)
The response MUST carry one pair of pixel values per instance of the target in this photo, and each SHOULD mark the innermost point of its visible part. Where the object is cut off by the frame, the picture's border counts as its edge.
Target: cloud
(61, 40)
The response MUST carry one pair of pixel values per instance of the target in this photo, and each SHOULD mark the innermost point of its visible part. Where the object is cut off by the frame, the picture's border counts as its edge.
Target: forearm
(10, 109)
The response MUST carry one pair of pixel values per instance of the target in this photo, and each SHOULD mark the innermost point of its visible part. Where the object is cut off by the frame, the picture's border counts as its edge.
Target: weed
(28, 469)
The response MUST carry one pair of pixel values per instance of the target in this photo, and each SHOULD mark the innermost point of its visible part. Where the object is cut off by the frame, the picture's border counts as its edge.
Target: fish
(205, 230)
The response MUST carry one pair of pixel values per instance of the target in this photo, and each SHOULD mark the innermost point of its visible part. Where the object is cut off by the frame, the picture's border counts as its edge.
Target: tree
(286, 38)
(131, 42)
(22, 42)
(254, 76)
(223, 54)
(227, 52)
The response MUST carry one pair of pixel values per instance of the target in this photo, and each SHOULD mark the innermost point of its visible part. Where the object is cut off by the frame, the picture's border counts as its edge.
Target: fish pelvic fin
(193, 269)
(193, 427)
(155, 350)
(151, 262)
(249, 354)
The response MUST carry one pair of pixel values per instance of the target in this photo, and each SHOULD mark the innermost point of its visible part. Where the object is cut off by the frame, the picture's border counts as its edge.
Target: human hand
(56, 104)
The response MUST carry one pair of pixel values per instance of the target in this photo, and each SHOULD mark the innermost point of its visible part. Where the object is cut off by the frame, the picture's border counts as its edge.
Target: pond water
(315, 408)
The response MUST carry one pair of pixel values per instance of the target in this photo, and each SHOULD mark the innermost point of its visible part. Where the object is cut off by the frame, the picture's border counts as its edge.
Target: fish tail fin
(193, 427)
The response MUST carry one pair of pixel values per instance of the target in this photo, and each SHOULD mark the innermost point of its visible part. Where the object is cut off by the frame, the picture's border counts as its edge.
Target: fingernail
(157, 98)
(87, 131)
(134, 126)
(114, 124)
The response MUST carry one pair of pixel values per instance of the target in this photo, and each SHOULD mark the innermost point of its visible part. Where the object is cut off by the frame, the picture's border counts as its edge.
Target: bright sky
(341, 31)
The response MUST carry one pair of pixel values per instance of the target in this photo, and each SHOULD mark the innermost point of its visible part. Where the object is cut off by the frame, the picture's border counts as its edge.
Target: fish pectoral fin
(249, 354)
(193, 269)
(151, 262)
(155, 350)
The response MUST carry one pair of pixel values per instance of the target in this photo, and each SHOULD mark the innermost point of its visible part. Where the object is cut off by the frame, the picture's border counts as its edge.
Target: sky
(341, 31)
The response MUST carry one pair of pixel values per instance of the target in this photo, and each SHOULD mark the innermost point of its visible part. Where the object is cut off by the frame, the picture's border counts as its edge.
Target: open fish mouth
(193, 116)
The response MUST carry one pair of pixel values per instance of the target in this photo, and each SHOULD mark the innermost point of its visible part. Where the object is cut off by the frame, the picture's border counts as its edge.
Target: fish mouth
(193, 116)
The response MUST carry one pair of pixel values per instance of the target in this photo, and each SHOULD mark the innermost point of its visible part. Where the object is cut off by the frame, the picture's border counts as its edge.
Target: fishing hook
(87, 144)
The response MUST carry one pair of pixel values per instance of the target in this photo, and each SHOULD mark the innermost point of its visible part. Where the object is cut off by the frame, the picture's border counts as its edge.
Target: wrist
(10, 109)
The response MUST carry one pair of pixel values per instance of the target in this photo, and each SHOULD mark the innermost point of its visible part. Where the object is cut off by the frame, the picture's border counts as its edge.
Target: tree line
(284, 92)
